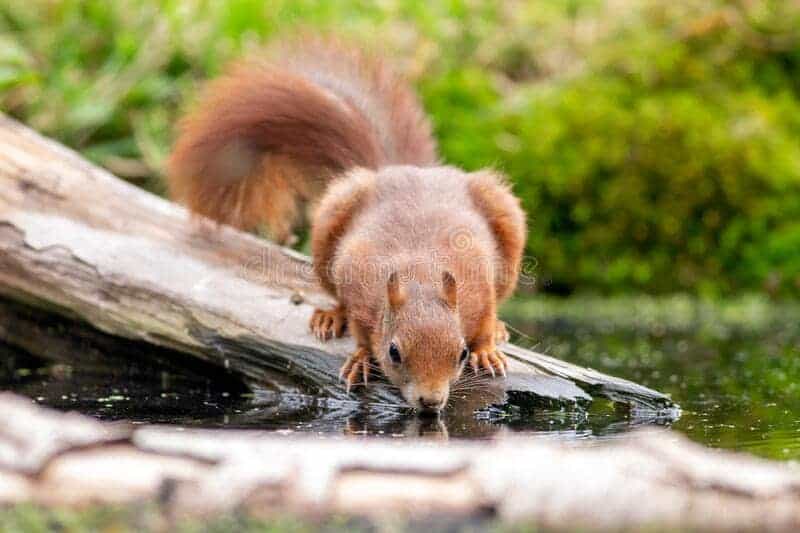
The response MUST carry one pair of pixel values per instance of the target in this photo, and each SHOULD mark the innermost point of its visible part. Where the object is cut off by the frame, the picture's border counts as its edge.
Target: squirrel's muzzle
(432, 401)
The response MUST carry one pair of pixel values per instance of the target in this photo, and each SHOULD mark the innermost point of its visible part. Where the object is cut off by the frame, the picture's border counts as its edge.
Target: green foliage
(654, 144)
(672, 161)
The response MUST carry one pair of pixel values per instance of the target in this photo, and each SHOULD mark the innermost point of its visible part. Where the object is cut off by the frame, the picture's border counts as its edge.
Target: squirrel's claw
(473, 362)
(328, 323)
(491, 360)
(485, 363)
(357, 363)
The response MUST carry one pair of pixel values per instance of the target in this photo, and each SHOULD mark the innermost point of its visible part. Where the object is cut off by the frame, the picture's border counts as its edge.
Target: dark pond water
(734, 368)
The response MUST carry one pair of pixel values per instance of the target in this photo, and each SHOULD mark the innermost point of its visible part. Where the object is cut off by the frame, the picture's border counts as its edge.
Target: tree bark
(76, 241)
(649, 479)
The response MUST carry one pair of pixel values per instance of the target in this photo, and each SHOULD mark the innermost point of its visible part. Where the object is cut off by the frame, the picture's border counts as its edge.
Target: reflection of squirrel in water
(417, 255)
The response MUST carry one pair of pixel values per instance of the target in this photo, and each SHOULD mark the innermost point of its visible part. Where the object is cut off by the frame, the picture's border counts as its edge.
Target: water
(734, 367)
(736, 379)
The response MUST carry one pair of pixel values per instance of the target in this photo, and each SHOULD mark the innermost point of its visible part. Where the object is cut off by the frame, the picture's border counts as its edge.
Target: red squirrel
(417, 254)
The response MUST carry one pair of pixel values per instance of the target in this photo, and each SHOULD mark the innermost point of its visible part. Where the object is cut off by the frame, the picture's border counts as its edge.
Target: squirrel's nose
(431, 403)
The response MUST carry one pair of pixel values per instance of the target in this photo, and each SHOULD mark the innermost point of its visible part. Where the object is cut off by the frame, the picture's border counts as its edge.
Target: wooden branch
(651, 479)
(77, 241)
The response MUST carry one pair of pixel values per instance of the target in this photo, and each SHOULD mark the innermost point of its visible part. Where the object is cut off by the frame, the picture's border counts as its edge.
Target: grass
(146, 518)
(33, 519)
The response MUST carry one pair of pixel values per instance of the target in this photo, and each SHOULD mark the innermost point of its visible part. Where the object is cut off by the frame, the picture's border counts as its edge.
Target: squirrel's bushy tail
(264, 139)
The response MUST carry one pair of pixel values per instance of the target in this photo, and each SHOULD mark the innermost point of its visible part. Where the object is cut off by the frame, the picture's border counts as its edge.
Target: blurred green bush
(656, 145)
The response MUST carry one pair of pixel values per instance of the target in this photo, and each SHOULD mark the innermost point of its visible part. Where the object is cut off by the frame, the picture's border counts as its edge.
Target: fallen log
(76, 241)
(652, 479)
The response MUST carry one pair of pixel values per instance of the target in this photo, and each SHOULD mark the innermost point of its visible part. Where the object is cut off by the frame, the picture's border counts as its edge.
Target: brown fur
(264, 139)
(417, 256)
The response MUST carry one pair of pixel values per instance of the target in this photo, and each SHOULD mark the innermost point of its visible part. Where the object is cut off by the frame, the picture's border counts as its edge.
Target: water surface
(733, 368)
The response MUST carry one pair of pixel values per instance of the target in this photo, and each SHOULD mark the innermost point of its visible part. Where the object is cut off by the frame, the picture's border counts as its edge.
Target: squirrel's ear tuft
(449, 293)
(395, 292)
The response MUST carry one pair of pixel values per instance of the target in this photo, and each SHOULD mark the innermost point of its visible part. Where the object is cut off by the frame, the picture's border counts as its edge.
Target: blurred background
(655, 145)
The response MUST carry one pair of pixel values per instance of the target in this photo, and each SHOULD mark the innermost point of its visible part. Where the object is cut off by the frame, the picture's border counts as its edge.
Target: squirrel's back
(265, 139)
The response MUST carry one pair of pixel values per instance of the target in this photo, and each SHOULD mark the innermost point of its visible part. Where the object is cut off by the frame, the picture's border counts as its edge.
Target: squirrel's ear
(449, 293)
(395, 292)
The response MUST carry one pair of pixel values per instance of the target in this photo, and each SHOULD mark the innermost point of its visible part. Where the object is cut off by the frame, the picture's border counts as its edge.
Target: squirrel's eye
(394, 354)
(464, 355)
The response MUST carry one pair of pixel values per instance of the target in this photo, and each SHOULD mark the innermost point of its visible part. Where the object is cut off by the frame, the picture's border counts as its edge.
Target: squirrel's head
(421, 348)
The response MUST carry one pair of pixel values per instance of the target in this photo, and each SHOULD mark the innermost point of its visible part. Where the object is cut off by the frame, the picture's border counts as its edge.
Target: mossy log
(77, 241)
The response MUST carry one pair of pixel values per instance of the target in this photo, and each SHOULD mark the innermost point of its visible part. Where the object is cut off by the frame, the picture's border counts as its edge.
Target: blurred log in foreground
(650, 479)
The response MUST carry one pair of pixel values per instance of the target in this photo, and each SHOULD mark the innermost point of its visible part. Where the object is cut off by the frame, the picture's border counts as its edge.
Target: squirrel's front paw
(357, 363)
(328, 323)
(490, 359)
